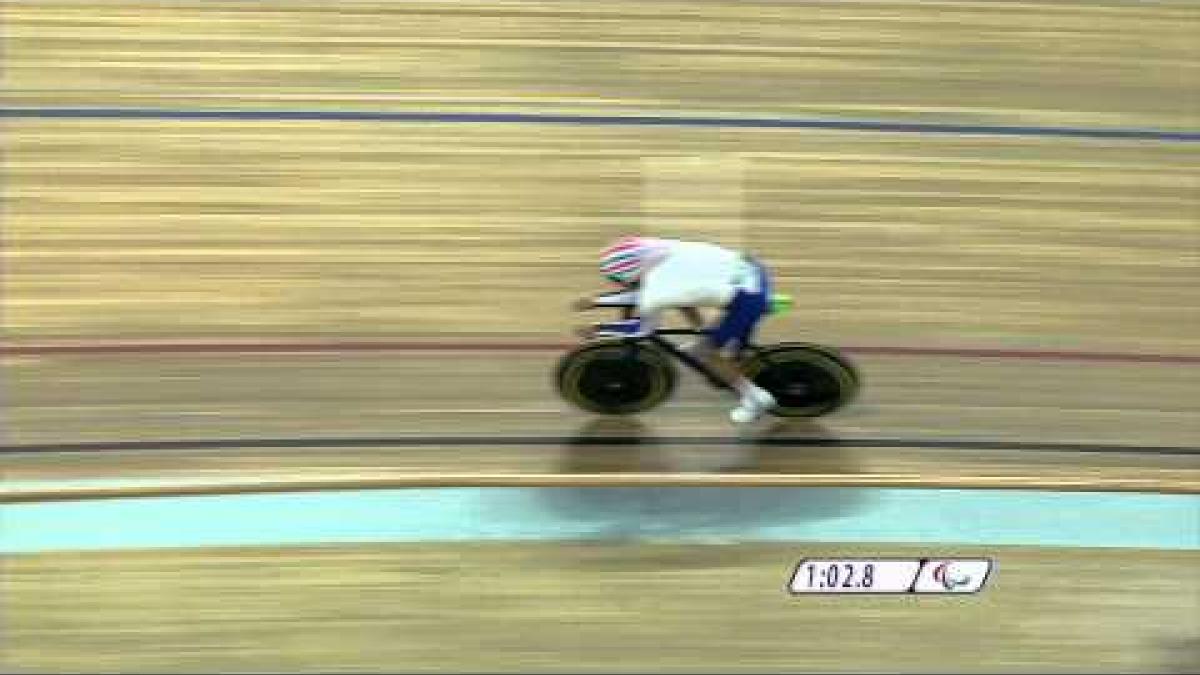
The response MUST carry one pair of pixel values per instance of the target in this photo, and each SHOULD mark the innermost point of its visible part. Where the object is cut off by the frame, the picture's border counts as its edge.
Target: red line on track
(101, 347)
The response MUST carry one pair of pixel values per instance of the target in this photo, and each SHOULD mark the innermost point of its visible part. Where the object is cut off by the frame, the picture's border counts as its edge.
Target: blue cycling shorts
(743, 314)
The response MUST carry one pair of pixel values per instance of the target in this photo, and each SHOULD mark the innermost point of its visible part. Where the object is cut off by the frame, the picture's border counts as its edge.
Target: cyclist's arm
(639, 326)
(650, 311)
(616, 299)
(627, 297)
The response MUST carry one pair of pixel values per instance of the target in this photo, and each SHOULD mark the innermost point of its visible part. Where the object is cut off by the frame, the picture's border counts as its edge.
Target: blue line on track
(926, 516)
(600, 120)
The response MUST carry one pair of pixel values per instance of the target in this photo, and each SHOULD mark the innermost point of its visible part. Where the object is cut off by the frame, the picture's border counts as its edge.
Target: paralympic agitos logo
(944, 575)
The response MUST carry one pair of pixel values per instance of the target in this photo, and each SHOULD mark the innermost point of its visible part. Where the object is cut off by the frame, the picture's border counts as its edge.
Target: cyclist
(671, 274)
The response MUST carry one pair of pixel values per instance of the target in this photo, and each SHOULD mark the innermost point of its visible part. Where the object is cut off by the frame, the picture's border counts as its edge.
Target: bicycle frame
(687, 359)
(623, 301)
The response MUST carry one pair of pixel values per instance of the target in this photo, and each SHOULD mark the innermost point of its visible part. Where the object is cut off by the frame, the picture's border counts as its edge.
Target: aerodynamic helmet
(624, 260)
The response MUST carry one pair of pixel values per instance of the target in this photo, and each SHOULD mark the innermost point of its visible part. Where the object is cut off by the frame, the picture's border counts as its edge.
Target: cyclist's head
(624, 260)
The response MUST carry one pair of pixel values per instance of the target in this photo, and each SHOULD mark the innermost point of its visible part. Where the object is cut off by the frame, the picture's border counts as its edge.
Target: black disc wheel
(616, 377)
(806, 380)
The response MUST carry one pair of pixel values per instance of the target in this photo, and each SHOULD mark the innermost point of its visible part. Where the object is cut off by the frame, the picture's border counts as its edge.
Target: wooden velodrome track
(126, 229)
(119, 229)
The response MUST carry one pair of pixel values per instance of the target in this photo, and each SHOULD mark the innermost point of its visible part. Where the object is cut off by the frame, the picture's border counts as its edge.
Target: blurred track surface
(71, 399)
(1100, 63)
(552, 607)
(220, 229)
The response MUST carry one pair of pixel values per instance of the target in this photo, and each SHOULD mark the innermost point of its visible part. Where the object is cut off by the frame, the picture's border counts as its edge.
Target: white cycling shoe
(752, 407)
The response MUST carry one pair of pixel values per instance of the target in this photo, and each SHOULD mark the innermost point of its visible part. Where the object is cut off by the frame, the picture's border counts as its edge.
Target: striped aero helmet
(625, 259)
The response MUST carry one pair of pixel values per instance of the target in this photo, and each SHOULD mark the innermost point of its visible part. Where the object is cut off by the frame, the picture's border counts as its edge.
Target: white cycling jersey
(691, 274)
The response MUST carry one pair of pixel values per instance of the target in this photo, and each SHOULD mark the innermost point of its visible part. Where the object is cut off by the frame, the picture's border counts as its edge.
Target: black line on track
(576, 441)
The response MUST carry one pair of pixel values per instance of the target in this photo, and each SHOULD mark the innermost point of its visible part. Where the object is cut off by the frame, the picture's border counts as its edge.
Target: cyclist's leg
(726, 340)
(742, 316)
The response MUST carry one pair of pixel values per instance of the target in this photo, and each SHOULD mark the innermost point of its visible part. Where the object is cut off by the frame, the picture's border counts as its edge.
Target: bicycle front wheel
(616, 377)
